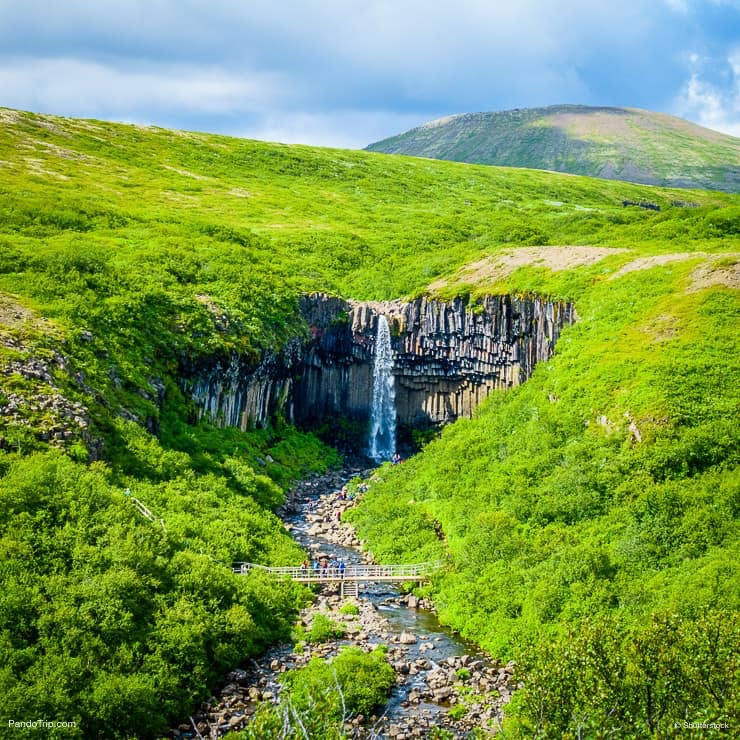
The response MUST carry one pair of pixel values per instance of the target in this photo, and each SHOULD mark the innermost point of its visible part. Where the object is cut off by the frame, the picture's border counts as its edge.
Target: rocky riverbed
(440, 681)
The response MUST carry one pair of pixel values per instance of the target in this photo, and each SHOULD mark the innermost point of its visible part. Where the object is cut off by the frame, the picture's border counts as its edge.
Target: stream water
(435, 647)
(435, 669)
(439, 643)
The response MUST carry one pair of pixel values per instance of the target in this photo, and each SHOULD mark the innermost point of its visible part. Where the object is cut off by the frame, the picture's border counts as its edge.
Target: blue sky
(345, 73)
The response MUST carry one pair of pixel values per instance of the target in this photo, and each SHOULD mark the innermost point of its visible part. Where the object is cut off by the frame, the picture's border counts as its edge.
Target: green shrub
(323, 629)
(350, 608)
(457, 712)
(439, 733)
(636, 683)
(318, 698)
(366, 679)
(110, 619)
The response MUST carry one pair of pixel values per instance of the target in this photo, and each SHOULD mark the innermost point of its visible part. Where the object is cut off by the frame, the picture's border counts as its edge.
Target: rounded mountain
(611, 143)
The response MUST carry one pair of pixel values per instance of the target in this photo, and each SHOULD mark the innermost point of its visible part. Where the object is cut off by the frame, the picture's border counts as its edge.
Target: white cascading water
(383, 419)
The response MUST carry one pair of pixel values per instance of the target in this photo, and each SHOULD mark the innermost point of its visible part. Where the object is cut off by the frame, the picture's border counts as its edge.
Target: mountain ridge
(613, 143)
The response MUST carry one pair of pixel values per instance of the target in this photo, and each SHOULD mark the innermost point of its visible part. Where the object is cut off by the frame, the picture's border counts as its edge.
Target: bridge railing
(363, 572)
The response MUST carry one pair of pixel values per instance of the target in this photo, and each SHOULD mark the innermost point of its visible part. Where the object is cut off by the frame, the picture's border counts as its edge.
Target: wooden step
(349, 589)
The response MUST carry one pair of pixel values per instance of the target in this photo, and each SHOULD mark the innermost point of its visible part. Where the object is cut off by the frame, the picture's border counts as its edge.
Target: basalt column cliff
(447, 358)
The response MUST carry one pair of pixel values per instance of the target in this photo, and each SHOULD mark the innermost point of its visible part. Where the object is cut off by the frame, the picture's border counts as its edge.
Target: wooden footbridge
(350, 577)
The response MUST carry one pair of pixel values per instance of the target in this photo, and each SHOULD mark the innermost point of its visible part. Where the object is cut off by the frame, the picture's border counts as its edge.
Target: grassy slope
(116, 230)
(555, 515)
(615, 143)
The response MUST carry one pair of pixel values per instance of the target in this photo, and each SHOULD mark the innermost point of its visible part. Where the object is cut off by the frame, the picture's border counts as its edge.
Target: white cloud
(684, 6)
(320, 71)
(708, 104)
(680, 6)
(91, 89)
(344, 129)
(84, 88)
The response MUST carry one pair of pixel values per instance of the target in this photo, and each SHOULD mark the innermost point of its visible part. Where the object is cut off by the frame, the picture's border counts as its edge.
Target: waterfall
(382, 444)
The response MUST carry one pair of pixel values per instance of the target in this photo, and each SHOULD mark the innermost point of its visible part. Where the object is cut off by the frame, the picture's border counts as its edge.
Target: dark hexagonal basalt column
(448, 357)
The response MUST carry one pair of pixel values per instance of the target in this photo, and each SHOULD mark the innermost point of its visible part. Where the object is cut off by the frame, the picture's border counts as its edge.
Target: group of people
(324, 567)
(345, 495)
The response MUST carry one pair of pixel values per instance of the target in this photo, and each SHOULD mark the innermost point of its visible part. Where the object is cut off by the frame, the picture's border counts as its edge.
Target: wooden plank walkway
(352, 572)
(350, 578)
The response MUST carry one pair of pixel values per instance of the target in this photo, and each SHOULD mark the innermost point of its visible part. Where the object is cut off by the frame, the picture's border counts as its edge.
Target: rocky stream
(441, 682)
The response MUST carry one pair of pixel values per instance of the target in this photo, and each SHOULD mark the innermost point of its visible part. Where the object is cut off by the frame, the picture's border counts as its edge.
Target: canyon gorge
(447, 357)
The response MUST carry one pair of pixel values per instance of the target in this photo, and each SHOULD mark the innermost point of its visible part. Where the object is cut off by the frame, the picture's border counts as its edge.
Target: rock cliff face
(448, 357)
(239, 394)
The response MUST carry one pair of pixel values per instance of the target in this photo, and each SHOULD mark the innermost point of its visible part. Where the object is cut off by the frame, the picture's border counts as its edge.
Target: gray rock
(442, 694)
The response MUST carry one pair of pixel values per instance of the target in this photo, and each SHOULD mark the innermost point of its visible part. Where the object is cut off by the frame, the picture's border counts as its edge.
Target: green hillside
(599, 499)
(612, 143)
